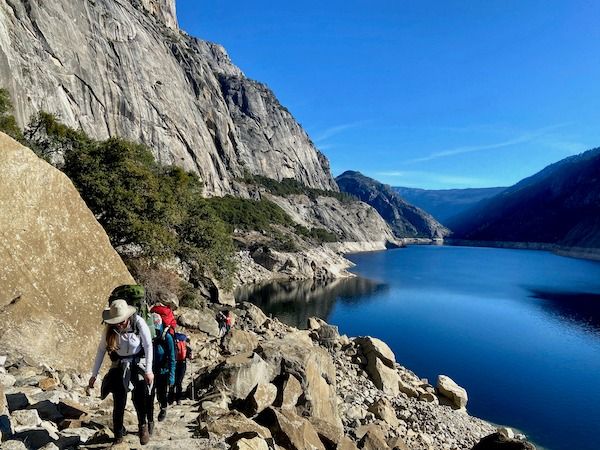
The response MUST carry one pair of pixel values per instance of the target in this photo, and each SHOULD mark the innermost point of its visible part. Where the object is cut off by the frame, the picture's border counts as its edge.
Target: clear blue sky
(432, 94)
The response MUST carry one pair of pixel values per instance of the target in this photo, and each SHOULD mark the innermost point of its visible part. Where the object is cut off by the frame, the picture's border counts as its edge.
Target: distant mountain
(406, 220)
(443, 204)
(558, 205)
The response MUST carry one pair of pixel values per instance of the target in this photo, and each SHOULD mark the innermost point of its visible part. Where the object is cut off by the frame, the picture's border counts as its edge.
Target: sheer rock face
(57, 266)
(163, 10)
(124, 69)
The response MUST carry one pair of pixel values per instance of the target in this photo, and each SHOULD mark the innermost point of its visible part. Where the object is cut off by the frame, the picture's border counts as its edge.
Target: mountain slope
(407, 221)
(122, 68)
(558, 205)
(443, 204)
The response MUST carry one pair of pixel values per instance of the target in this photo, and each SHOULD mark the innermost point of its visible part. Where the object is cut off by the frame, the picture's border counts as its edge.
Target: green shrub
(136, 200)
(8, 123)
(247, 215)
(291, 186)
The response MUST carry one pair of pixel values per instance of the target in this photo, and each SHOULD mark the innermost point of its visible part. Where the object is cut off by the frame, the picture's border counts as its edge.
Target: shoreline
(587, 253)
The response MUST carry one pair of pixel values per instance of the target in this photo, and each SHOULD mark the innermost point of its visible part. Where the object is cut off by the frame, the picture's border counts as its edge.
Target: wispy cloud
(523, 138)
(416, 178)
(335, 130)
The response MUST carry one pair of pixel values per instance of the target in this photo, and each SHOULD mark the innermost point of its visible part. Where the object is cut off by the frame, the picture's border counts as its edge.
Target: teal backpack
(135, 295)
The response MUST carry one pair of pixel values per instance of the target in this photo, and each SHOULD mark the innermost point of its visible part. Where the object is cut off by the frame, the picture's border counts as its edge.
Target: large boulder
(57, 265)
(380, 364)
(290, 430)
(313, 367)
(238, 341)
(497, 441)
(235, 423)
(240, 374)
(198, 319)
(452, 391)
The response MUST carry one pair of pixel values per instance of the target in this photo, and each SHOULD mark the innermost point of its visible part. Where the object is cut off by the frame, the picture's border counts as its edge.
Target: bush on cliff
(137, 201)
(8, 123)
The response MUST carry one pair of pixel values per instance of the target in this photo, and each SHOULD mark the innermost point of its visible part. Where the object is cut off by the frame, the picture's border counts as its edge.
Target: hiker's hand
(92, 382)
(149, 377)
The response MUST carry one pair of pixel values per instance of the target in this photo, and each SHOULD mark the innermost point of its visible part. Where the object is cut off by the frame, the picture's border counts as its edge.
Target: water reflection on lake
(293, 302)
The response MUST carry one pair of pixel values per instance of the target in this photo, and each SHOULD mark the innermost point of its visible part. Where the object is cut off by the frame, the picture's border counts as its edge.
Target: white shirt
(129, 344)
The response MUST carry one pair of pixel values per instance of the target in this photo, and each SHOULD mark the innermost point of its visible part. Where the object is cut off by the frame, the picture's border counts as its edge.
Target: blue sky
(431, 94)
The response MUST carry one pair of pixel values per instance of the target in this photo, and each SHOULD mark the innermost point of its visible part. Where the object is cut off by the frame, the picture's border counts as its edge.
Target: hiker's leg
(119, 401)
(179, 375)
(140, 398)
(162, 386)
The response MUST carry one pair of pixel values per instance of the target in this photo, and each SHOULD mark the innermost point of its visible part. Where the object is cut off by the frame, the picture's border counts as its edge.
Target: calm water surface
(520, 330)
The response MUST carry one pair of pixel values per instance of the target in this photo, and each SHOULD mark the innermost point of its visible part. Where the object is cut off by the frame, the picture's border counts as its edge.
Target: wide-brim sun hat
(118, 312)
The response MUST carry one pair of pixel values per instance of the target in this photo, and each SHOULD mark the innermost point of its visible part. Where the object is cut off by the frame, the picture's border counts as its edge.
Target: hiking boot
(179, 402)
(118, 440)
(162, 414)
(144, 435)
(150, 428)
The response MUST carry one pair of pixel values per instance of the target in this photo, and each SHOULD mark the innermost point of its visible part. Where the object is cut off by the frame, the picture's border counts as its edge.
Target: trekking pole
(192, 375)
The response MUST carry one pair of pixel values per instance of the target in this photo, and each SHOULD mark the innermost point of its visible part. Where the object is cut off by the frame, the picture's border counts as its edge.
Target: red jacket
(167, 316)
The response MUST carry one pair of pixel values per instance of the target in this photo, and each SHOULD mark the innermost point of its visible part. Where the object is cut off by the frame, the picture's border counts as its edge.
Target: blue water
(519, 330)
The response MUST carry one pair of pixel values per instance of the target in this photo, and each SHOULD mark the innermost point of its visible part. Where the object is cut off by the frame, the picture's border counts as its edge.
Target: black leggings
(176, 391)
(140, 401)
(160, 388)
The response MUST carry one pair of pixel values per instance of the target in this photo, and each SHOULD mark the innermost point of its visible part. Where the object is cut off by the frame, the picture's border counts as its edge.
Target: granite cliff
(133, 73)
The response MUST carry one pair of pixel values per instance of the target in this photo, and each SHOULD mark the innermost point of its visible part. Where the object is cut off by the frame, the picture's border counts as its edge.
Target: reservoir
(518, 329)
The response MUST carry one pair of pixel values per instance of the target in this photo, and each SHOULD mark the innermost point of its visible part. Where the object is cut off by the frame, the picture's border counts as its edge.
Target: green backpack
(135, 295)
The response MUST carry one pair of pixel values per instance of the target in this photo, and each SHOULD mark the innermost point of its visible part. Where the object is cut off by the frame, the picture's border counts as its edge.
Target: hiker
(127, 340)
(225, 321)
(164, 370)
(165, 308)
(183, 353)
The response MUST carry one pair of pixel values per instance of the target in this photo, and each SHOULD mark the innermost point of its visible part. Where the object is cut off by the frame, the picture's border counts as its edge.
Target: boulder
(262, 397)
(375, 348)
(329, 434)
(60, 265)
(384, 411)
(373, 439)
(314, 369)
(235, 423)
(452, 391)
(290, 430)
(255, 443)
(254, 314)
(25, 420)
(397, 443)
(290, 392)
(72, 410)
(408, 389)
(198, 319)
(240, 374)
(237, 341)
(346, 444)
(498, 441)
(48, 383)
(384, 378)
(7, 380)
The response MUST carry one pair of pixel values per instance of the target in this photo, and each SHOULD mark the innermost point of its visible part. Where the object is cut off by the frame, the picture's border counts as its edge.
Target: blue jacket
(164, 354)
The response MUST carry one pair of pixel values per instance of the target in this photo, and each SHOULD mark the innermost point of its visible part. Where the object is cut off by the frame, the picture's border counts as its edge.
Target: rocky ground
(265, 386)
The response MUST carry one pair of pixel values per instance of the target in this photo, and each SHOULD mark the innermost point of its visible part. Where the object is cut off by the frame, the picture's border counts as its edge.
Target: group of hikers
(148, 358)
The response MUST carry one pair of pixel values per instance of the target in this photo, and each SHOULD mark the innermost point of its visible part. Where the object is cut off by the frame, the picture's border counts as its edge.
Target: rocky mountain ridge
(134, 74)
(406, 221)
(443, 204)
(559, 205)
